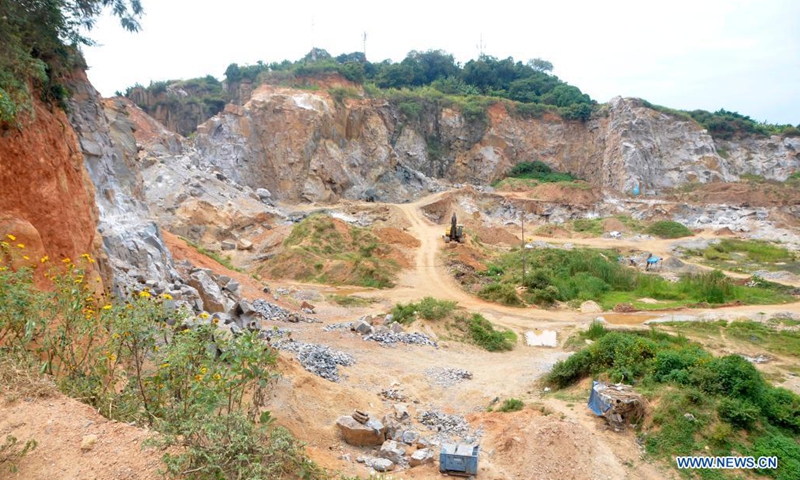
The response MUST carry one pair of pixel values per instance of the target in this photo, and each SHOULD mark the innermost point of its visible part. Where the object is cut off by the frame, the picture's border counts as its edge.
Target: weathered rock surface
(131, 239)
(303, 145)
(421, 457)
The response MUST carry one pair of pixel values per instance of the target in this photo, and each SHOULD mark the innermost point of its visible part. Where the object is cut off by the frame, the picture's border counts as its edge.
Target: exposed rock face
(304, 145)
(45, 185)
(131, 239)
(773, 157)
(167, 109)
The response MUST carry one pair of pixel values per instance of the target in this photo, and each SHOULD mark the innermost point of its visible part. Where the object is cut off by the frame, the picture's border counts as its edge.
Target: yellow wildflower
(115, 336)
(203, 370)
(4, 244)
(25, 257)
(164, 365)
(11, 237)
(216, 320)
(144, 294)
(112, 357)
(44, 259)
(217, 376)
(129, 306)
(204, 315)
(66, 260)
(108, 307)
(166, 296)
(198, 378)
(20, 245)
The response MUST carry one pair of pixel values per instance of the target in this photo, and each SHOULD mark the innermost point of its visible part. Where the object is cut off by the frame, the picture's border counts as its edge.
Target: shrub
(511, 405)
(502, 293)
(739, 413)
(430, 308)
(482, 333)
(540, 171)
(404, 313)
(201, 389)
(669, 229)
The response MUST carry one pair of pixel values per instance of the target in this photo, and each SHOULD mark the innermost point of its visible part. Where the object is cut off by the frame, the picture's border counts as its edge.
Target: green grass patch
(478, 330)
(428, 308)
(734, 411)
(588, 226)
(351, 301)
(539, 171)
(784, 342)
(586, 274)
(747, 256)
(511, 405)
(669, 229)
(224, 260)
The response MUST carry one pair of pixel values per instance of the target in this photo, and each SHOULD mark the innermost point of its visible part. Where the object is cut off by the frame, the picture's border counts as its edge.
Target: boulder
(590, 306)
(396, 327)
(359, 435)
(363, 328)
(421, 457)
(209, 291)
(88, 442)
(410, 437)
(381, 464)
(227, 245)
(233, 287)
(263, 194)
(244, 245)
(391, 450)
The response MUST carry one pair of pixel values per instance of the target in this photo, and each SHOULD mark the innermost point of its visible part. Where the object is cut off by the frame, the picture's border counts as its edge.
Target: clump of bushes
(478, 330)
(669, 229)
(428, 308)
(725, 395)
(539, 171)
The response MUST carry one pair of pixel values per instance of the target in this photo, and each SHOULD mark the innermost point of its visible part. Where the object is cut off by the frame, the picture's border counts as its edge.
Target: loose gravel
(318, 359)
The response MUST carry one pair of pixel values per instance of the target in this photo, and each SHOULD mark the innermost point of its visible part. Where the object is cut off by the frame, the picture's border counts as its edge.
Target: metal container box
(459, 459)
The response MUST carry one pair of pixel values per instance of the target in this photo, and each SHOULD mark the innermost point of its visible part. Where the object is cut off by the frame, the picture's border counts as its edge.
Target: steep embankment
(317, 146)
(47, 198)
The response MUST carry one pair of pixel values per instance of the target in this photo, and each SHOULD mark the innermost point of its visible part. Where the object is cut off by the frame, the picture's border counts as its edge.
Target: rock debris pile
(389, 337)
(318, 359)
(273, 312)
(448, 426)
(343, 326)
(447, 377)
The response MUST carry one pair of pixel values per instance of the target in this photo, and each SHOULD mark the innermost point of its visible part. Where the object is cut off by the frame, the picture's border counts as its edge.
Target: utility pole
(523, 247)
(364, 45)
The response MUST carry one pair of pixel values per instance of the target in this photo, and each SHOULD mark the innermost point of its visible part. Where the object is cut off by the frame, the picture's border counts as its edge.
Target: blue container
(459, 459)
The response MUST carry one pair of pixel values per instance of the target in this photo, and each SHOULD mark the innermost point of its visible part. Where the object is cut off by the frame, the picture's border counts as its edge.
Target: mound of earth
(322, 249)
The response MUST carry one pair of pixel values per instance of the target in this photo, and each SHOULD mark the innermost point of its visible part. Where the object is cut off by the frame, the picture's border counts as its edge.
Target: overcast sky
(735, 54)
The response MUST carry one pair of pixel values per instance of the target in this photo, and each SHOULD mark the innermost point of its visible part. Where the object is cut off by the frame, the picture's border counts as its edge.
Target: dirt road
(429, 277)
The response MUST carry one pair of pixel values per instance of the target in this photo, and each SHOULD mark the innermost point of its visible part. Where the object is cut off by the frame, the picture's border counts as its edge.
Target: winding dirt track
(428, 276)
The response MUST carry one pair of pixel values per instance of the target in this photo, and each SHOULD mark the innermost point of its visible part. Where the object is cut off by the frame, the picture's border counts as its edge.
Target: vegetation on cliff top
(39, 41)
(435, 76)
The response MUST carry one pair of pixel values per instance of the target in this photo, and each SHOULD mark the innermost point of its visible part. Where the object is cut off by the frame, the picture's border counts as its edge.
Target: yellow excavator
(455, 232)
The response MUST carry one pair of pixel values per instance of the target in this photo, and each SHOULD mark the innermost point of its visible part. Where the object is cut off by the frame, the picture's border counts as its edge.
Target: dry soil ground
(549, 439)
